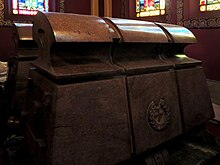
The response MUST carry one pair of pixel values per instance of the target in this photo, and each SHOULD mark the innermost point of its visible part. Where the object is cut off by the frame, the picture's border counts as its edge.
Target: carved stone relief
(158, 115)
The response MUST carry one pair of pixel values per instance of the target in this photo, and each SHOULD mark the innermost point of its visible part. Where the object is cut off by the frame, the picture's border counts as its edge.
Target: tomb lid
(67, 27)
(177, 34)
(137, 31)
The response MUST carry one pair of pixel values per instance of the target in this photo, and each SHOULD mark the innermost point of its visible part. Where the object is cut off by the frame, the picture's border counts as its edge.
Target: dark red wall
(6, 43)
(78, 6)
(101, 8)
(207, 50)
(117, 9)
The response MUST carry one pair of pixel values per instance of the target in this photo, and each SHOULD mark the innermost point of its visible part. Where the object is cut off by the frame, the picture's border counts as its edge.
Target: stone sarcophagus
(25, 51)
(104, 90)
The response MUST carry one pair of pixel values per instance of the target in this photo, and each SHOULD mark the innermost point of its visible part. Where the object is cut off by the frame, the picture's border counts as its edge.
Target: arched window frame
(7, 17)
(29, 7)
(145, 8)
(209, 5)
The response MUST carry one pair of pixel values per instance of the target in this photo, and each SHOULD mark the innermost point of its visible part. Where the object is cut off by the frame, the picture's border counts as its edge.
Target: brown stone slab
(87, 123)
(154, 109)
(194, 97)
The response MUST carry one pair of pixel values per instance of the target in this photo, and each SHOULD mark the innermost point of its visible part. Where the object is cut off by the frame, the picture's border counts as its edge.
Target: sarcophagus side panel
(103, 94)
(154, 109)
(194, 97)
(91, 124)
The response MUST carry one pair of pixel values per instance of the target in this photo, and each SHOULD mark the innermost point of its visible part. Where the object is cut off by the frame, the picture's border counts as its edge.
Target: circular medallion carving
(158, 115)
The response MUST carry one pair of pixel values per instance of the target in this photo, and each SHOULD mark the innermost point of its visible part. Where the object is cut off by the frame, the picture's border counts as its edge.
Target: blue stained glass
(29, 7)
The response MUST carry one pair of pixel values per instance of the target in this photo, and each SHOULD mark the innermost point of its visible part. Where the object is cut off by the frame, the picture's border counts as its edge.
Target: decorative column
(108, 8)
(95, 7)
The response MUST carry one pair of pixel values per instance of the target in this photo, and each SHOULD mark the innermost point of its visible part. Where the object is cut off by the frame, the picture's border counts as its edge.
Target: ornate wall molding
(179, 12)
(107, 8)
(195, 23)
(62, 6)
(123, 5)
(168, 11)
(5, 22)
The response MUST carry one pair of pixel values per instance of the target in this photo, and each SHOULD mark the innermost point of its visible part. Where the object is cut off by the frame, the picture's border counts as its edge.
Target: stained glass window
(29, 7)
(150, 7)
(209, 5)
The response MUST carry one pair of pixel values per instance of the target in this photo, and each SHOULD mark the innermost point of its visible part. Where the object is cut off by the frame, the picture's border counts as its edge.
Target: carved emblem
(158, 115)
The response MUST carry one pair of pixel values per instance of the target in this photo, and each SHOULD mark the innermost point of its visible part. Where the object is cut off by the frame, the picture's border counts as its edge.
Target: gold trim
(2, 16)
(168, 11)
(62, 6)
(4, 22)
(195, 23)
(179, 12)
